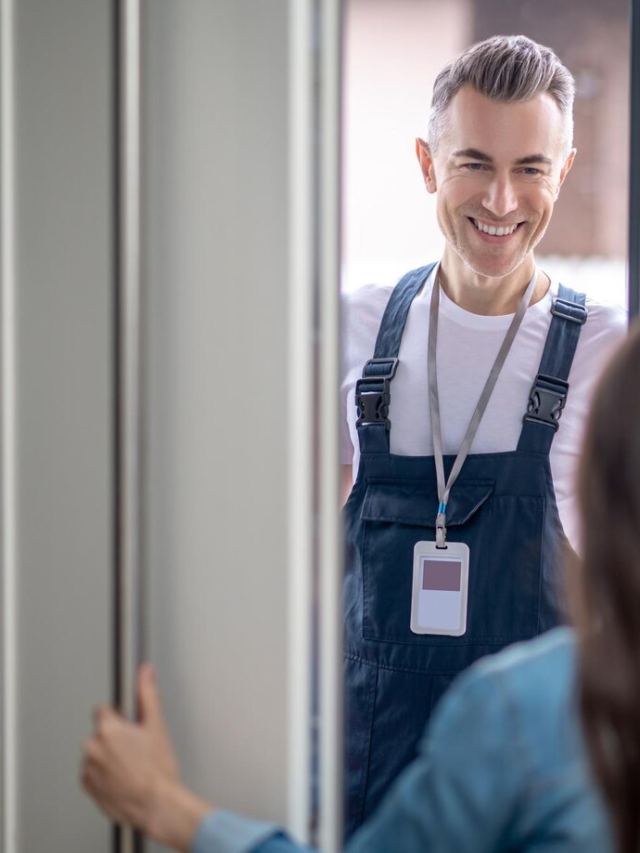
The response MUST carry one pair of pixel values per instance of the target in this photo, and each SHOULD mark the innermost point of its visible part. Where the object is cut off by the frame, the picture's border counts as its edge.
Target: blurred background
(393, 52)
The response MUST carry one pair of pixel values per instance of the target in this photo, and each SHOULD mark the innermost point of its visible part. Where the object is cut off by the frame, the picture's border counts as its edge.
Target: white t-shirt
(467, 348)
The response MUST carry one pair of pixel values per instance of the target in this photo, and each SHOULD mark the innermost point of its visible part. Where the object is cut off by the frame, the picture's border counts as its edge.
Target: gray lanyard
(474, 423)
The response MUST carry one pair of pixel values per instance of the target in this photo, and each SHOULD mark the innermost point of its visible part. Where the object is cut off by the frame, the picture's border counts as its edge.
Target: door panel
(59, 477)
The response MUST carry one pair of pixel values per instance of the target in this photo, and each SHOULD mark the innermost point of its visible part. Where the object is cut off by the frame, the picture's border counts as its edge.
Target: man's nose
(500, 197)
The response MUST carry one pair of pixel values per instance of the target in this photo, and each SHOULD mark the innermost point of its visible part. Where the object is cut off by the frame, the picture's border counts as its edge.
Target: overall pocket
(394, 518)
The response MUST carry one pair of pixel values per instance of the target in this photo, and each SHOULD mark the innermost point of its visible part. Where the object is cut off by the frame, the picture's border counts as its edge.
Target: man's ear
(425, 159)
(568, 163)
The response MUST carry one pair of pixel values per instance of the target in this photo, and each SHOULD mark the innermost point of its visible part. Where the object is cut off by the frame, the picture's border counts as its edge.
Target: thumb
(150, 707)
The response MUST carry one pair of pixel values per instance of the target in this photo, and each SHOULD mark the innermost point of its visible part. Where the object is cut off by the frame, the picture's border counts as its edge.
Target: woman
(606, 591)
(503, 765)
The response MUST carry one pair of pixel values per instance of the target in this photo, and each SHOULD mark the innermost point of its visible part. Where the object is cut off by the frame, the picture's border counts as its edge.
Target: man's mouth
(495, 230)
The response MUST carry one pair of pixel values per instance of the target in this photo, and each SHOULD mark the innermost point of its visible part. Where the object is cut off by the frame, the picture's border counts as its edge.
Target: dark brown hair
(607, 591)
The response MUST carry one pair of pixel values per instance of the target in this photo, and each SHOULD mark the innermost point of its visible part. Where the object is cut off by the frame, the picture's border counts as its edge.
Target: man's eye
(473, 167)
(531, 170)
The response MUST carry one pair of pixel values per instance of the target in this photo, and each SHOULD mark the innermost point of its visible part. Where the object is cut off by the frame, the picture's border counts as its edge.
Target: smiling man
(494, 201)
(465, 392)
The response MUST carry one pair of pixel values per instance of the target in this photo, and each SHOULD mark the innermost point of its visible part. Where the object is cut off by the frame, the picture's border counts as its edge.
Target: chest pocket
(504, 539)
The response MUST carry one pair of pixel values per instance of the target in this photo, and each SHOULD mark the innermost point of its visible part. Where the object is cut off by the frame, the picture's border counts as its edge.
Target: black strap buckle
(572, 311)
(372, 402)
(547, 398)
(372, 392)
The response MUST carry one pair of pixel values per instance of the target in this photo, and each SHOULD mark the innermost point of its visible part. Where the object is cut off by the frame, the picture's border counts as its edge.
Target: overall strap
(373, 390)
(550, 388)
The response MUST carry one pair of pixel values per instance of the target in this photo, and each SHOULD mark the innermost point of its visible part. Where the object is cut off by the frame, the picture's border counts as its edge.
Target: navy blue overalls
(502, 506)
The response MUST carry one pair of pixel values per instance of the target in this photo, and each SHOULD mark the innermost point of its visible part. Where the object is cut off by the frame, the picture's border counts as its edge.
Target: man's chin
(492, 267)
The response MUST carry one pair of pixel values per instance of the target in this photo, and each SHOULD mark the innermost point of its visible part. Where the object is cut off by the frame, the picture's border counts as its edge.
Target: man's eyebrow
(473, 154)
(534, 158)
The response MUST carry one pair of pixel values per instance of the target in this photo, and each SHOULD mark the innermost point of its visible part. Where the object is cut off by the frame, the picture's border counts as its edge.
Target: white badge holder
(440, 589)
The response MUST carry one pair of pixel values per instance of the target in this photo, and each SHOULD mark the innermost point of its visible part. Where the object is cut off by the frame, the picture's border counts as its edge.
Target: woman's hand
(131, 771)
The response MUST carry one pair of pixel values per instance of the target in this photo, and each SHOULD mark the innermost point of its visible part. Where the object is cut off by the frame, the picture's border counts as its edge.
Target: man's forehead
(517, 130)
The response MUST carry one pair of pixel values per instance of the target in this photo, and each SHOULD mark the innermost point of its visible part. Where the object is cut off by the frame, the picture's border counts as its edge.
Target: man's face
(497, 171)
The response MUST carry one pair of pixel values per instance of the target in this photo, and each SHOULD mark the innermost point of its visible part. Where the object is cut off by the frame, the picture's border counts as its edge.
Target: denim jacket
(501, 768)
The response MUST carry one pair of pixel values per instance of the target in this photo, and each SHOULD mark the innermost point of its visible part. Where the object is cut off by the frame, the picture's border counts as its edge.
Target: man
(452, 554)
(499, 148)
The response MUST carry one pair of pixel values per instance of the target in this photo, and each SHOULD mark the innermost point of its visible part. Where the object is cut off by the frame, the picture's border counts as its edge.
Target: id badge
(440, 587)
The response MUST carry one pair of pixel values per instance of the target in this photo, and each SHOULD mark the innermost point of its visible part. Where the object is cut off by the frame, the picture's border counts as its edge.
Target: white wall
(393, 52)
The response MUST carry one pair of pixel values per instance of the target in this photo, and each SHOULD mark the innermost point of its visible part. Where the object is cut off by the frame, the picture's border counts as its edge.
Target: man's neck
(490, 296)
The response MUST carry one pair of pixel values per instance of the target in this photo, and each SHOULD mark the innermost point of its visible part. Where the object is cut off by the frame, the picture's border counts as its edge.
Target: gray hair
(504, 68)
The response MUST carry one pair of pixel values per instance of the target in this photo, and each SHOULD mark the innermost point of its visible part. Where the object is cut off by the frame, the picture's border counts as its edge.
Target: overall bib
(502, 506)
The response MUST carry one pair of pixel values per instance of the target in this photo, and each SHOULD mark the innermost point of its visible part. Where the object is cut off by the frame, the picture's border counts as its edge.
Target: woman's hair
(607, 591)
(504, 68)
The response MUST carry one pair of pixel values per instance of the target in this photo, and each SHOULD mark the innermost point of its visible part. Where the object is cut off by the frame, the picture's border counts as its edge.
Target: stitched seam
(426, 672)
(367, 774)
(499, 454)
(365, 575)
(445, 643)
(543, 547)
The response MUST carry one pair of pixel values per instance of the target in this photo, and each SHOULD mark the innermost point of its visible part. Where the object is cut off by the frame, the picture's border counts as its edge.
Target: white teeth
(494, 232)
